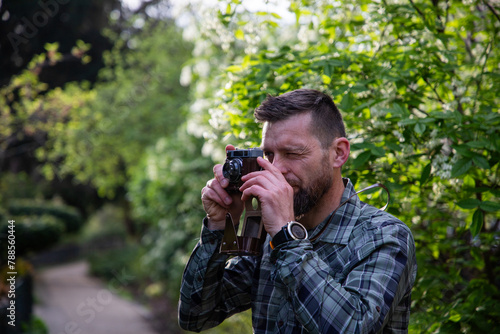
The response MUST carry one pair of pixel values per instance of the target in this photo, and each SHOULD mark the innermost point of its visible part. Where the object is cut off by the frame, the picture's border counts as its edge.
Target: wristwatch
(291, 231)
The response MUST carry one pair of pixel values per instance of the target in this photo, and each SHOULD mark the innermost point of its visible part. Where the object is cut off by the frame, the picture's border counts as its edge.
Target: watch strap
(280, 238)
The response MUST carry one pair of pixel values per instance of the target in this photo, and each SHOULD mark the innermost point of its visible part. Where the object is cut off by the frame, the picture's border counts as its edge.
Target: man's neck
(329, 202)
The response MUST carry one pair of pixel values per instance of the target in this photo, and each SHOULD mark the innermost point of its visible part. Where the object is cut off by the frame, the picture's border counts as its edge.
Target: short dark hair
(327, 123)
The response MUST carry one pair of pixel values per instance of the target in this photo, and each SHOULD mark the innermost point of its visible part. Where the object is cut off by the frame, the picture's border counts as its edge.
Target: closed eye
(294, 154)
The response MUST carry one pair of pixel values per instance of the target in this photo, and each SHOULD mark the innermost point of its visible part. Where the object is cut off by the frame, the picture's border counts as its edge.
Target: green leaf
(454, 316)
(464, 150)
(271, 23)
(461, 167)
(378, 151)
(361, 159)
(239, 34)
(52, 46)
(359, 88)
(481, 162)
(420, 128)
(397, 110)
(441, 115)
(234, 68)
(393, 146)
(477, 222)
(326, 79)
(426, 172)
(362, 146)
(470, 203)
(347, 102)
(490, 206)
(327, 70)
(408, 121)
(262, 75)
(477, 144)
(336, 63)
(427, 120)
(368, 104)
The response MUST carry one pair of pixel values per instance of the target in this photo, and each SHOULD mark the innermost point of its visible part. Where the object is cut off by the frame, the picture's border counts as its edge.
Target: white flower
(186, 76)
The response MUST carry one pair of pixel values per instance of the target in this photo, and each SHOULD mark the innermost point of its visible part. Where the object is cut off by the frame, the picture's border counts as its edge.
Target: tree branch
(492, 9)
(434, 90)
(418, 10)
(145, 5)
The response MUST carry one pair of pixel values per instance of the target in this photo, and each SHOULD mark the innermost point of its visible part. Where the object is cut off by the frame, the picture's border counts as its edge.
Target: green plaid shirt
(356, 278)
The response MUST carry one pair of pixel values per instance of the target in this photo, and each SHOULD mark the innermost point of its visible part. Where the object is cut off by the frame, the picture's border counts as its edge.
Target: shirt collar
(342, 224)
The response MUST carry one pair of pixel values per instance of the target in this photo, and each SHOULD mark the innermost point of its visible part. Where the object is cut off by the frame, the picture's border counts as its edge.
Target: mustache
(293, 183)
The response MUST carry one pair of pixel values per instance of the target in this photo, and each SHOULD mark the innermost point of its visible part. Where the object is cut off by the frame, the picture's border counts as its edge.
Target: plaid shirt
(356, 278)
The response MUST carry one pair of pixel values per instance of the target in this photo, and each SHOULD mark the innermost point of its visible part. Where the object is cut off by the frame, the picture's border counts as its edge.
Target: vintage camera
(239, 163)
(252, 233)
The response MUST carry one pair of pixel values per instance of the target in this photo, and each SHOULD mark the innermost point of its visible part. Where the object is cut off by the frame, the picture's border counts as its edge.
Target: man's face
(291, 146)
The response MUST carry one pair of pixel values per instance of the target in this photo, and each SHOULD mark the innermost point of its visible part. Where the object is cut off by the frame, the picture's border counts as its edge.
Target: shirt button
(378, 309)
(280, 323)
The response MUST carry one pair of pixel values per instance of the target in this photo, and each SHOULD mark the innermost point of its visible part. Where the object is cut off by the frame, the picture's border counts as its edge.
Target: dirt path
(71, 302)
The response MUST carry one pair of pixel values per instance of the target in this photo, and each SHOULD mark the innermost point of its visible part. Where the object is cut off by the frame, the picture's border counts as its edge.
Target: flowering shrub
(418, 85)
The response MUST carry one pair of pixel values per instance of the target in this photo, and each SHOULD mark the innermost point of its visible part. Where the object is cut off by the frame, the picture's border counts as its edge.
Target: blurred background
(112, 114)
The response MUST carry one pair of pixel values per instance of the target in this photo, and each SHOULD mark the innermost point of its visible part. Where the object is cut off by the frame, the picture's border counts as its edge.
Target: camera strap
(252, 235)
(376, 185)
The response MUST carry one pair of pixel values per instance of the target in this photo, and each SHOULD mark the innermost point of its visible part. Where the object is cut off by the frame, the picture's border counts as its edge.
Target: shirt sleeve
(208, 291)
(354, 298)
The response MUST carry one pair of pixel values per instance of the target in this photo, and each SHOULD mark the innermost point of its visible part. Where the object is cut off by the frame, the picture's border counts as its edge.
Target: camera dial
(232, 170)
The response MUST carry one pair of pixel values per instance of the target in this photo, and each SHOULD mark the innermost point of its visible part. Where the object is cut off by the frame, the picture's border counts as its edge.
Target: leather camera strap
(376, 185)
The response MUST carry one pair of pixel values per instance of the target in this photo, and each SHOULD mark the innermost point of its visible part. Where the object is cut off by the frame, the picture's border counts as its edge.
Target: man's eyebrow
(287, 148)
(297, 149)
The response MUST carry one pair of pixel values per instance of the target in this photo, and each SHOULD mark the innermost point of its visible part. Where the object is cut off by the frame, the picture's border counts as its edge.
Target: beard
(308, 196)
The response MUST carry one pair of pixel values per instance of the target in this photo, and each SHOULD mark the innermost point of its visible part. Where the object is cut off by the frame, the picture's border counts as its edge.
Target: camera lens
(232, 170)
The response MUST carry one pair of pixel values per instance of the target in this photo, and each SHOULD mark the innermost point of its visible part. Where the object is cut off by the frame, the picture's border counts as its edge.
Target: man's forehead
(301, 120)
(286, 133)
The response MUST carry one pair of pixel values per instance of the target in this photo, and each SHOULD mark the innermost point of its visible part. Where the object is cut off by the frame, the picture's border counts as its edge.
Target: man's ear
(340, 151)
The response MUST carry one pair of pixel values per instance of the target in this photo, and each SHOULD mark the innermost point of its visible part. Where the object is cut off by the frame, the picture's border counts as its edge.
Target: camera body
(239, 163)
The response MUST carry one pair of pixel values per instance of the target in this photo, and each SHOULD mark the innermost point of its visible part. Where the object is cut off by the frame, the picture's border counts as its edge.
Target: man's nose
(279, 163)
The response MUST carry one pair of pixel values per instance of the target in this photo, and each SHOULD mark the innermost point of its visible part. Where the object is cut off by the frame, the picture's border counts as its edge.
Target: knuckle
(217, 169)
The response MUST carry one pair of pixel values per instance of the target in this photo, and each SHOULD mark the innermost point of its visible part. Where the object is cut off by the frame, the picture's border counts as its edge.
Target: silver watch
(296, 230)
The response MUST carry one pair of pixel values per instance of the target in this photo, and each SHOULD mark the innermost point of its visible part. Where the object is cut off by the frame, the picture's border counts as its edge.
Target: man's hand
(217, 202)
(274, 193)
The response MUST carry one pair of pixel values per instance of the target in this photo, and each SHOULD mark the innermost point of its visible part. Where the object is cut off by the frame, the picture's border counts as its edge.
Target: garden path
(69, 301)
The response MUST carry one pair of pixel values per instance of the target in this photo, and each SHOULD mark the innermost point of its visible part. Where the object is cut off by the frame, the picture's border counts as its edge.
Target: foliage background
(418, 86)
(417, 82)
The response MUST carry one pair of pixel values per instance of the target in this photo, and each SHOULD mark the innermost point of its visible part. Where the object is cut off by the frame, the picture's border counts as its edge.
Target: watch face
(298, 231)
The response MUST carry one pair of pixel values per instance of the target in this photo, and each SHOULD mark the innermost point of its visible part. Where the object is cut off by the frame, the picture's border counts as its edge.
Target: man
(354, 277)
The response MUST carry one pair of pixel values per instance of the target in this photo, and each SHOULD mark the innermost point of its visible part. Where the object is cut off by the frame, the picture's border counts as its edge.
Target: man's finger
(214, 192)
(270, 172)
(220, 176)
